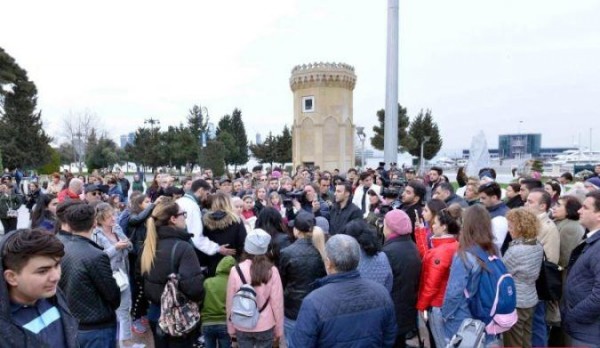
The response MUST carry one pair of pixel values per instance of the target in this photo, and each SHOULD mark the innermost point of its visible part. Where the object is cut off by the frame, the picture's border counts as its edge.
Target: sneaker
(138, 327)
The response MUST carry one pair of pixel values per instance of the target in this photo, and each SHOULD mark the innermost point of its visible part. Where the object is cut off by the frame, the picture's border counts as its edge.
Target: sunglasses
(182, 213)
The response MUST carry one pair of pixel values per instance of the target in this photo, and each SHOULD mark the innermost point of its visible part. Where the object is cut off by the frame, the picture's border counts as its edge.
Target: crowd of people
(313, 258)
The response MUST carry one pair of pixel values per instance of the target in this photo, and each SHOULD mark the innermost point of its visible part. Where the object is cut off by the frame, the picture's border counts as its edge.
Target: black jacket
(340, 217)
(13, 335)
(300, 265)
(515, 202)
(137, 228)
(92, 292)
(410, 211)
(185, 264)
(222, 229)
(406, 267)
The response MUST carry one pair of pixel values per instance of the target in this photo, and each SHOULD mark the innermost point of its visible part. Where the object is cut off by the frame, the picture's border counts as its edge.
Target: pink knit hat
(398, 222)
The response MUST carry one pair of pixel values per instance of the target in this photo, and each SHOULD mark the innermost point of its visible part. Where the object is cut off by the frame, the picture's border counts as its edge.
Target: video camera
(288, 197)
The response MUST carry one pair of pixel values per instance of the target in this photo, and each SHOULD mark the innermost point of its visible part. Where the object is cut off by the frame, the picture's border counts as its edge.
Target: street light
(203, 136)
(425, 139)
(360, 131)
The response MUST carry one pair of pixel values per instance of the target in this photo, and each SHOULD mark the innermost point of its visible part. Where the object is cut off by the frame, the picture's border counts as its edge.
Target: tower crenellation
(323, 74)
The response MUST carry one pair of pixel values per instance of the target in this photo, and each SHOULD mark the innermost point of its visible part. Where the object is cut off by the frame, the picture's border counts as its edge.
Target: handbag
(121, 279)
(549, 282)
(178, 315)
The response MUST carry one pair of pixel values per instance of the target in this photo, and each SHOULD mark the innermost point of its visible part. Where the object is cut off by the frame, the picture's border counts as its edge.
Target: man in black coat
(91, 291)
(404, 259)
(343, 210)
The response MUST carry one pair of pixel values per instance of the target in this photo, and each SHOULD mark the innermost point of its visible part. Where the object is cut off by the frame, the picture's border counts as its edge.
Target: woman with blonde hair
(168, 242)
(523, 259)
(110, 237)
(300, 265)
(223, 226)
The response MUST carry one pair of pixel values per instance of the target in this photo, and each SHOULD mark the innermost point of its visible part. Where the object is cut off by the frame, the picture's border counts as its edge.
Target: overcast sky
(479, 65)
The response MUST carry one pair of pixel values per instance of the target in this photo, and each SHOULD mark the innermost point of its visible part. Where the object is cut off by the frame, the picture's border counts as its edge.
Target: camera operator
(307, 200)
(412, 201)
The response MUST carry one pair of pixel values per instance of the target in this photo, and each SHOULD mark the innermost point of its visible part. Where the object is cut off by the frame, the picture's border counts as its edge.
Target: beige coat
(549, 238)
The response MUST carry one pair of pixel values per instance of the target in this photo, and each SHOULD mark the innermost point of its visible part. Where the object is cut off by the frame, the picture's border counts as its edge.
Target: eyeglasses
(184, 213)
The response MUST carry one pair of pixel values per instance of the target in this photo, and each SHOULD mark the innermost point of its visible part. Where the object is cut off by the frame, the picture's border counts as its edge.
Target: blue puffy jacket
(346, 311)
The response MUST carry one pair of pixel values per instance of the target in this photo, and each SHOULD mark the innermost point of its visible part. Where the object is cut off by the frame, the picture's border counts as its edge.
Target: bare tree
(78, 126)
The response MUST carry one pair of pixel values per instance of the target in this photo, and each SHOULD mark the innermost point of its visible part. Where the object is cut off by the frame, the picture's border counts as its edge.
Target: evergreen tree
(284, 147)
(404, 140)
(422, 126)
(23, 141)
(238, 131)
(197, 124)
(101, 153)
(213, 157)
(267, 151)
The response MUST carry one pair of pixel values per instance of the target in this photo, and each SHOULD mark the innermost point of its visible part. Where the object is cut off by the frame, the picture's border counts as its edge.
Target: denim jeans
(539, 331)
(263, 339)
(288, 329)
(124, 317)
(577, 343)
(436, 325)
(216, 335)
(101, 338)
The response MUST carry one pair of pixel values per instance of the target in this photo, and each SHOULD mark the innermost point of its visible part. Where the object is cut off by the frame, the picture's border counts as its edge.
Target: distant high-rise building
(258, 139)
(519, 145)
(127, 139)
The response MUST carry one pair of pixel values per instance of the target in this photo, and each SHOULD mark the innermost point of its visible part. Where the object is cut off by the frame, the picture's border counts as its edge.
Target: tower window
(308, 104)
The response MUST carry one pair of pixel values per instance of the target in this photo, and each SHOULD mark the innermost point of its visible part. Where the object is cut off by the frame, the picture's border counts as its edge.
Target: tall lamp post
(360, 131)
(425, 139)
(203, 135)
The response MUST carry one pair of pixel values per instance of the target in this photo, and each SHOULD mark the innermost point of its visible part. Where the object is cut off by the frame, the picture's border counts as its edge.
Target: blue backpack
(495, 301)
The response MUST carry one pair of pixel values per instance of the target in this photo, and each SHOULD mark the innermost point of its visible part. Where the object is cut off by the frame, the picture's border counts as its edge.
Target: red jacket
(422, 240)
(66, 193)
(435, 272)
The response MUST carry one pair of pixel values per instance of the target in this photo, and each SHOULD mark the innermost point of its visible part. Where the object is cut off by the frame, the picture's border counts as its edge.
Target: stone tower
(323, 131)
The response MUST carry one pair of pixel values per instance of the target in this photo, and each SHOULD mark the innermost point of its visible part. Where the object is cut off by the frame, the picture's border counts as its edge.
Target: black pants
(10, 224)
(162, 340)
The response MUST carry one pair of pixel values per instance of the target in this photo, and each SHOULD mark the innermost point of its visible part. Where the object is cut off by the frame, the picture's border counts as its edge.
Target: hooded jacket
(222, 228)
(13, 335)
(213, 310)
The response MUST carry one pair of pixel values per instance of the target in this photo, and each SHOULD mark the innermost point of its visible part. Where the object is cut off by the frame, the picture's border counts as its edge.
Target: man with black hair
(435, 173)
(489, 196)
(528, 185)
(33, 310)
(445, 192)
(91, 291)
(343, 210)
(565, 179)
(190, 203)
(412, 201)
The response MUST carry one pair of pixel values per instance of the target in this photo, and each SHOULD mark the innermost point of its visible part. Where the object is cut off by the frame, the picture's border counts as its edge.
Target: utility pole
(390, 139)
